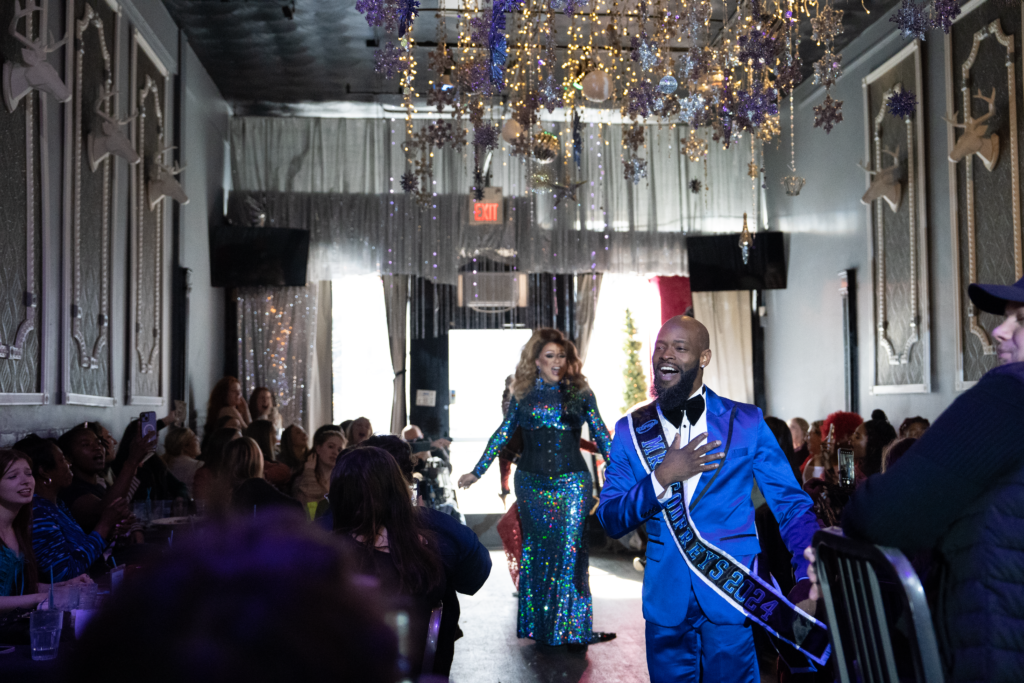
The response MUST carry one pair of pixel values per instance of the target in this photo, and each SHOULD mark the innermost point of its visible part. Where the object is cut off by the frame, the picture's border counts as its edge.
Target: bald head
(683, 326)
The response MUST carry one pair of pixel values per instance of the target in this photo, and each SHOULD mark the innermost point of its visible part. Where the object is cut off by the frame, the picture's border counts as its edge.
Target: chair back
(433, 629)
(879, 621)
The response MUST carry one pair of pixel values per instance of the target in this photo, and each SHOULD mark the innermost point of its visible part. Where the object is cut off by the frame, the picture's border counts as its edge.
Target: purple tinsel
(754, 106)
(408, 182)
(496, 42)
(479, 27)
(388, 61)
(828, 113)
(695, 186)
(911, 20)
(485, 136)
(757, 48)
(407, 11)
(574, 6)
(642, 99)
(943, 13)
(902, 104)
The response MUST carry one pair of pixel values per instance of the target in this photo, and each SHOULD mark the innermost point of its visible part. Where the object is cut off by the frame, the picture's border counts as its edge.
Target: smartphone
(147, 423)
(847, 475)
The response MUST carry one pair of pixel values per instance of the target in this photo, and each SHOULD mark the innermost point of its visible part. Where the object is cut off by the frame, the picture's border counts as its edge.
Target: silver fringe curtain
(276, 336)
(396, 301)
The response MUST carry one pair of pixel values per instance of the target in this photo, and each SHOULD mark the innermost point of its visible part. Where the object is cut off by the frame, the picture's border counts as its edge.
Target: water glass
(65, 598)
(161, 509)
(140, 509)
(44, 633)
(87, 596)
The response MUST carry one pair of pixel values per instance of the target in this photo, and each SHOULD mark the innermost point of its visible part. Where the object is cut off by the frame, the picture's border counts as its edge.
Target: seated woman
(181, 450)
(359, 430)
(243, 467)
(19, 588)
(263, 433)
(294, 445)
(226, 400)
(263, 406)
(155, 482)
(88, 496)
(208, 476)
(310, 487)
(61, 548)
(402, 545)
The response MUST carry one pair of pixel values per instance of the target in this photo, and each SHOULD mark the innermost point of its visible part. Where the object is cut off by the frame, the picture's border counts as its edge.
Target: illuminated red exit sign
(488, 209)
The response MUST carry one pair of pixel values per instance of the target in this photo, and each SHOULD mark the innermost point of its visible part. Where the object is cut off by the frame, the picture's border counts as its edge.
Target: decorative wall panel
(21, 206)
(93, 129)
(983, 101)
(897, 223)
(151, 135)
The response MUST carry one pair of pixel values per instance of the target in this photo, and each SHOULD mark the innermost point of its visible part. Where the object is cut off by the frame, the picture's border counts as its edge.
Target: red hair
(846, 424)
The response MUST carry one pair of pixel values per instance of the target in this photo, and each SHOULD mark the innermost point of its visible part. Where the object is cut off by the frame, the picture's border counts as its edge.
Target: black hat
(993, 298)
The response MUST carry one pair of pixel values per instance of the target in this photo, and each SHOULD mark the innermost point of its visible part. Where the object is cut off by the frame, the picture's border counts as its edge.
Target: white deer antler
(991, 105)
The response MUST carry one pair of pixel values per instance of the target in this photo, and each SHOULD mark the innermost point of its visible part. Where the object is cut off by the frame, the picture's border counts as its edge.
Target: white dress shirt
(688, 432)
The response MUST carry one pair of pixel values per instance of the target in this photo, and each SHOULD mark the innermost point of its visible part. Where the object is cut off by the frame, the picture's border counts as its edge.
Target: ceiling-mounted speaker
(494, 292)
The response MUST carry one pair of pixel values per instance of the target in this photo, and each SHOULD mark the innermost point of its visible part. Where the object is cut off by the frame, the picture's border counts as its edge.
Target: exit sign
(488, 209)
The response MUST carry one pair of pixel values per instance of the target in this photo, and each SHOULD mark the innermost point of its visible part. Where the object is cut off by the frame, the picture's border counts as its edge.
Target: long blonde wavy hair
(526, 370)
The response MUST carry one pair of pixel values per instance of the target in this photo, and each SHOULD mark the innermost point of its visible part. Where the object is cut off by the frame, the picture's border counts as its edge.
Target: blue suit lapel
(718, 428)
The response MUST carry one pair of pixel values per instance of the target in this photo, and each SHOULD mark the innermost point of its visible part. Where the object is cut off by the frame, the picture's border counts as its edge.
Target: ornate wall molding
(897, 223)
(90, 177)
(981, 58)
(146, 335)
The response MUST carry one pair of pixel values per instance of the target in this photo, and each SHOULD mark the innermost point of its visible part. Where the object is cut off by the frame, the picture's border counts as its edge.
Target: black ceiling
(264, 62)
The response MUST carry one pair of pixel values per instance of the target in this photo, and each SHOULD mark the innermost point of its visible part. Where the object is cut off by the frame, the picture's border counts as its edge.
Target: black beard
(673, 397)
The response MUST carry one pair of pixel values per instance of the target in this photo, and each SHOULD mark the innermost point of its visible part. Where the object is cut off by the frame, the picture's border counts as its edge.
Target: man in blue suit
(690, 627)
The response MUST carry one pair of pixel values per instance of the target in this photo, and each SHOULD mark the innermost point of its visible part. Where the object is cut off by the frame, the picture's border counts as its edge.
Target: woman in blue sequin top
(550, 403)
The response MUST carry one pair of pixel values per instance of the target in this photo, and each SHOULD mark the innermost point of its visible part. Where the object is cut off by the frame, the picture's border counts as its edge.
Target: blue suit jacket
(724, 515)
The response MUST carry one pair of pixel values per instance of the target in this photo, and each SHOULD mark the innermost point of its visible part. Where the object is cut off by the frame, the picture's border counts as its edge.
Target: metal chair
(879, 621)
(433, 629)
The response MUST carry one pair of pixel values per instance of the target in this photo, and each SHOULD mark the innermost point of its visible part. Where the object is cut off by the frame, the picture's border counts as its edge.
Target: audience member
(799, 430)
(207, 477)
(313, 482)
(265, 435)
(243, 467)
(813, 444)
(88, 495)
(256, 601)
(343, 427)
(263, 406)
(914, 427)
(845, 424)
(226, 401)
(958, 492)
(181, 453)
(62, 549)
(152, 479)
(294, 446)
(896, 450)
(359, 431)
(782, 433)
(868, 441)
(417, 553)
(109, 445)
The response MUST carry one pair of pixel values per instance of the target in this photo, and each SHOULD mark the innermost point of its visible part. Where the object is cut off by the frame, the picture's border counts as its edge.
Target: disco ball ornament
(597, 86)
(668, 84)
(545, 148)
(558, 5)
(511, 130)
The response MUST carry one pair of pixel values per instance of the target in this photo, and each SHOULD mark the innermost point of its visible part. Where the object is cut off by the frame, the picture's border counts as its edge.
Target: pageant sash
(759, 600)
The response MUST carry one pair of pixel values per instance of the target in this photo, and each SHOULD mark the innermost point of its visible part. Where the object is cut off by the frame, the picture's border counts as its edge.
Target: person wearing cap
(959, 492)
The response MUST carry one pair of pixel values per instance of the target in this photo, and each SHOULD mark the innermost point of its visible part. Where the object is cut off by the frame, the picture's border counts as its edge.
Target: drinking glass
(44, 633)
(66, 598)
(87, 596)
(141, 510)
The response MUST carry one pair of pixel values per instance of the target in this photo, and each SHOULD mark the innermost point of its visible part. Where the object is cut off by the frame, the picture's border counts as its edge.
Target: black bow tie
(694, 408)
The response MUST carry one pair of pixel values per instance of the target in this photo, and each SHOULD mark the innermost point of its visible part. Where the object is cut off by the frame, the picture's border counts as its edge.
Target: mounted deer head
(885, 182)
(107, 137)
(974, 140)
(162, 183)
(34, 73)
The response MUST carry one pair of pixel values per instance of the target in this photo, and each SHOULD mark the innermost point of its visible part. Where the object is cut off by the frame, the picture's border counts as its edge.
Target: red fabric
(506, 470)
(675, 295)
(511, 532)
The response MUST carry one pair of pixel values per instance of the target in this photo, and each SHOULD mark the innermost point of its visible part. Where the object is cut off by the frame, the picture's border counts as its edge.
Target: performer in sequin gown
(550, 403)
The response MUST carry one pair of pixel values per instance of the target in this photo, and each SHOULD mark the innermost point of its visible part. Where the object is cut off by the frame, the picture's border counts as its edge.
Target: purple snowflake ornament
(911, 20)
(408, 182)
(485, 136)
(695, 186)
(788, 76)
(943, 13)
(388, 61)
(755, 105)
(828, 114)
(757, 48)
(550, 94)
(902, 104)
(642, 100)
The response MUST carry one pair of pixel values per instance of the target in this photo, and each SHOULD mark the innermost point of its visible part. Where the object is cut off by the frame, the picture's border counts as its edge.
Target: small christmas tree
(636, 383)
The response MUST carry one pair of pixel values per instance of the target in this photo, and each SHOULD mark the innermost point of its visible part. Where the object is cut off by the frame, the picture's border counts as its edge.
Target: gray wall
(204, 118)
(828, 232)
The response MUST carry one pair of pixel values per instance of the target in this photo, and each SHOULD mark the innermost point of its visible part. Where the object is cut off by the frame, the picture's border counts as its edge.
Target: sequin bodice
(551, 417)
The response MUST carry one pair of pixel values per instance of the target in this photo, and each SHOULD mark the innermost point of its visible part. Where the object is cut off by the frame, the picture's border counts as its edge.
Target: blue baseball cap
(993, 298)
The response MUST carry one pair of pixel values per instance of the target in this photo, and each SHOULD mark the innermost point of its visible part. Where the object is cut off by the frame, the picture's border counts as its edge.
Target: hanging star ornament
(551, 94)
(567, 189)
(828, 113)
(911, 20)
(902, 104)
(644, 51)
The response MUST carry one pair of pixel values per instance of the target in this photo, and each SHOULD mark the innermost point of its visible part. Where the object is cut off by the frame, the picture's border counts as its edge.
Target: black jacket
(960, 491)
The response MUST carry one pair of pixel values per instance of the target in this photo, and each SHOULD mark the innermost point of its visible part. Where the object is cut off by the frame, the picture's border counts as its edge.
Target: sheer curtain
(588, 288)
(727, 317)
(396, 301)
